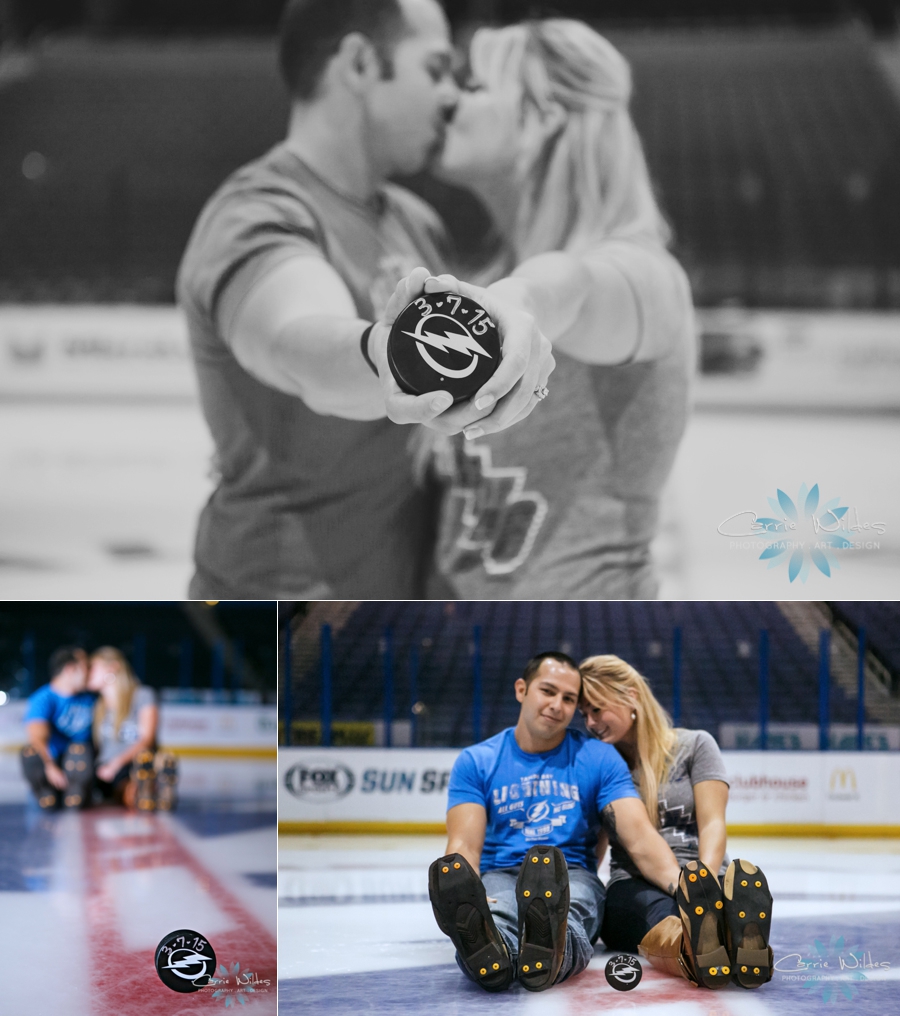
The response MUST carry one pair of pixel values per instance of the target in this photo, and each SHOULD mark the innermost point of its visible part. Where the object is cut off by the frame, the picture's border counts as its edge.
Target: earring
(633, 714)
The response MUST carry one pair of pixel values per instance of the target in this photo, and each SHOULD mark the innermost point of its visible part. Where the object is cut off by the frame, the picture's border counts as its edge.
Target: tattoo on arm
(608, 818)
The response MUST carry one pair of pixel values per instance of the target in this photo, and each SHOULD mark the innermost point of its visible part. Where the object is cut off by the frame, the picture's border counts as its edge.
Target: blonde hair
(609, 679)
(582, 167)
(125, 685)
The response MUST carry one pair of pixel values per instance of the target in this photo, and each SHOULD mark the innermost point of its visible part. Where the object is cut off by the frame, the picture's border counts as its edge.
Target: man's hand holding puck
(505, 398)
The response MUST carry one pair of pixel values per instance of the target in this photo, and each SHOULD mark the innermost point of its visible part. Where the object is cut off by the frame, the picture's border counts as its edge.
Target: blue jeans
(586, 900)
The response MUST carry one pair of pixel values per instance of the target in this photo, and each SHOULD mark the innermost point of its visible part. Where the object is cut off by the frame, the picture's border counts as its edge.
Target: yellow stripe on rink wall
(362, 828)
(439, 829)
(818, 830)
(199, 751)
(217, 751)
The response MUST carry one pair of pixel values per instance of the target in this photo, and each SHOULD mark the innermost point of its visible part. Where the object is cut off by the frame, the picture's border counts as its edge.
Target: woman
(717, 927)
(565, 503)
(126, 719)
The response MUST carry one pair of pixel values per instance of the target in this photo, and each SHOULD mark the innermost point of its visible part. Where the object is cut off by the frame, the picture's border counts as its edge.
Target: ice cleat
(542, 894)
(462, 913)
(748, 915)
(145, 775)
(78, 764)
(166, 781)
(702, 908)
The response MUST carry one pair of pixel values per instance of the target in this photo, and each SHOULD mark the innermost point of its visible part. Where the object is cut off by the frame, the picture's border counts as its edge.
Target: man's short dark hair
(534, 665)
(311, 32)
(63, 657)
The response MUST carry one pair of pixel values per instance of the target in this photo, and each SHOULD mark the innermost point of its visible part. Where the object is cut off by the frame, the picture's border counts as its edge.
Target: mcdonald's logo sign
(842, 784)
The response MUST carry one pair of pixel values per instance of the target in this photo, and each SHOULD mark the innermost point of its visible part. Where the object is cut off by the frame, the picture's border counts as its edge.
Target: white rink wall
(181, 726)
(772, 792)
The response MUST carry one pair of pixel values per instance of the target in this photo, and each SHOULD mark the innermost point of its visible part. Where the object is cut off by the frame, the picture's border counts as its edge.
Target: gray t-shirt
(697, 758)
(306, 506)
(564, 505)
(111, 744)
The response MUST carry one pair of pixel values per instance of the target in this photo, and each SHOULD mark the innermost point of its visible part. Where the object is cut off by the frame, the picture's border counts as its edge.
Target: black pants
(114, 790)
(633, 907)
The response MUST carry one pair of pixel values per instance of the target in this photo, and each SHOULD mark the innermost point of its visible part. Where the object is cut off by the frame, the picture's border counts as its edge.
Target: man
(58, 760)
(524, 808)
(289, 263)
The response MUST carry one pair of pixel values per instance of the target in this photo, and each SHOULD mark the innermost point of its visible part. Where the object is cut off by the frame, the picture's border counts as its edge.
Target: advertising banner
(772, 792)
(183, 727)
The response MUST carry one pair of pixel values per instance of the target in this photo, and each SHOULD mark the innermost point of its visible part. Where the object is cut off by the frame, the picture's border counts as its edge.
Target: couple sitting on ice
(534, 808)
(93, 728)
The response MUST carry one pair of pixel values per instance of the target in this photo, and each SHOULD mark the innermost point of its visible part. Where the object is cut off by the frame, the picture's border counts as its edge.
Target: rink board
(182, 727)
(405, 790)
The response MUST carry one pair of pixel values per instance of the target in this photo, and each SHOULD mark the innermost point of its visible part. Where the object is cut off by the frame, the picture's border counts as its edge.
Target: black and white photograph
(473, 299)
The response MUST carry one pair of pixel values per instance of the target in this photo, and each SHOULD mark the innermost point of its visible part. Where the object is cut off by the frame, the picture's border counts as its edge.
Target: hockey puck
(443, 342)
(185, 961)
(624, 972)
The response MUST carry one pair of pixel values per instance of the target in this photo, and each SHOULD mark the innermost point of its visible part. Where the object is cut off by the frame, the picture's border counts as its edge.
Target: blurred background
(99, 888)
(772, 132)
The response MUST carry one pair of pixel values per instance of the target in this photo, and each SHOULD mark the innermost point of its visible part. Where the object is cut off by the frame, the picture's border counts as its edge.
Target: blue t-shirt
(71, 717)
(555, 797)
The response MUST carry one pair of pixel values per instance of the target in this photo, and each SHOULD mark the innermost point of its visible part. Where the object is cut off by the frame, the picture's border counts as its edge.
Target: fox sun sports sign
(408, 787)
(364, 785)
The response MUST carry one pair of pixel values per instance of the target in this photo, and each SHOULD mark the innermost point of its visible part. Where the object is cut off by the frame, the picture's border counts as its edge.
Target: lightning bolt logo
(495, 519)
(456, 341)
(186, 962)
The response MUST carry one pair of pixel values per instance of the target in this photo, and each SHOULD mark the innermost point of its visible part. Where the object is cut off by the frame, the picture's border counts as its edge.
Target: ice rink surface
(357, 935)
(106, 460)
(85, 897)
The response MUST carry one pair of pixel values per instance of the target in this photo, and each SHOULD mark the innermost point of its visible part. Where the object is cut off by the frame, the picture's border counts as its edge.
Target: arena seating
(881, 620)
(774, 152)
(719, 660)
